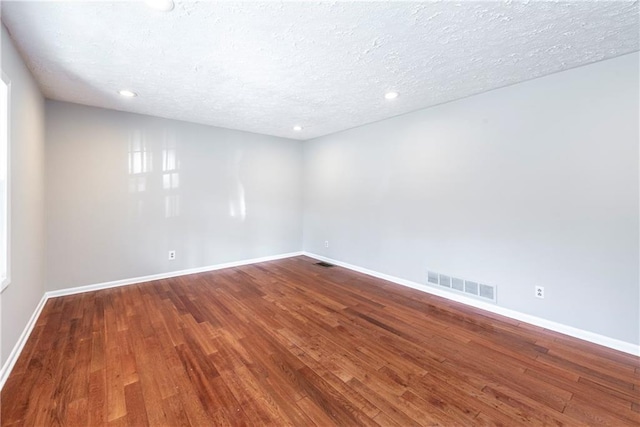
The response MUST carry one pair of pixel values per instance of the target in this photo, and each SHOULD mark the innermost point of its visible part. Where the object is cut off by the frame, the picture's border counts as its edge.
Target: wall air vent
(457, 284)
(462, 286)
(470, 287)
(432, 277)
(487, 292)
(445, 281)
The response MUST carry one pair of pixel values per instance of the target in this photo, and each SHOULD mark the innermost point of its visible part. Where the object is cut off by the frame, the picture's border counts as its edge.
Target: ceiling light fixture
(127, 93)
(297, 128)
(391, 95)
(162, 5)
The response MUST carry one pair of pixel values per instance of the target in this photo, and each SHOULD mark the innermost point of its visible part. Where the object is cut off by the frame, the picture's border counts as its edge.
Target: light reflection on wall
(237, 206)
(140, 162)
(170, 180)
(170, 175)
(140, 167)
(171, 206)
(237, 201)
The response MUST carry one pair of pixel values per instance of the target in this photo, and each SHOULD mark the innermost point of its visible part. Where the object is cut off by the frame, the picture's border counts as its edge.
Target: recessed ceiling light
(297, 128)
(127, 93)
(391, 95)
(163, 5)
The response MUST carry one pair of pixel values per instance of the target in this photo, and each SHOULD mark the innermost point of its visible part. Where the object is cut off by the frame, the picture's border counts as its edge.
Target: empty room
(314, 213)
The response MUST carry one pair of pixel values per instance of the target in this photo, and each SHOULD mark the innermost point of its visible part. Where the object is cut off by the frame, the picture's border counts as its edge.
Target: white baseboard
(17, 349)
(142, 279)
(554, 326)
(592, 337)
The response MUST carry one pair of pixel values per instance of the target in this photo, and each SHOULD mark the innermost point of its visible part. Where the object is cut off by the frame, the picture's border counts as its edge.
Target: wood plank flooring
(291, 343)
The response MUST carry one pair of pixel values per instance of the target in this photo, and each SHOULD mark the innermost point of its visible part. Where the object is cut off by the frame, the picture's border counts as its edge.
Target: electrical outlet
(172, 255)
(326, 243)
(539, 292)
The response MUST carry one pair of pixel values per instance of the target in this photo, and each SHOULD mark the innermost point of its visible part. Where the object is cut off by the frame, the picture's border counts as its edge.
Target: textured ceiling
(267, 66)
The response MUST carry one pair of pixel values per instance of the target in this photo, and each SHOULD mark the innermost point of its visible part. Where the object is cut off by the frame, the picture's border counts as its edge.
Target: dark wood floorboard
(291, 343)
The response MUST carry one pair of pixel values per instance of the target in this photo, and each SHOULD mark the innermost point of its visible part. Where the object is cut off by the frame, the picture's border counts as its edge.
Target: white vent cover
(457, 284)
(470, 287)
(433, 278)
(487, 292)
(467, 287)
(445, 281)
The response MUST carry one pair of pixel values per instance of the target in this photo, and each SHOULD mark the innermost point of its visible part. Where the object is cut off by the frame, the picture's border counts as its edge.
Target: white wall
(237, 196)
(19, 300)
(532, 184)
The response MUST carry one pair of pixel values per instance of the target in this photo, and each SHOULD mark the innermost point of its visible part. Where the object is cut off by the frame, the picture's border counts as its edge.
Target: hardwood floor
(291, 343)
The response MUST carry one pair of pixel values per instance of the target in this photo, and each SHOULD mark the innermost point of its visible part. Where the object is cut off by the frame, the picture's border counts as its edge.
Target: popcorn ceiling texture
(265, 66)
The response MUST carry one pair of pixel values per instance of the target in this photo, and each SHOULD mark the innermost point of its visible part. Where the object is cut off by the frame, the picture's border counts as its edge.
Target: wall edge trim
(592, 337)
(6, 369)
(22, 341)
(167, 275)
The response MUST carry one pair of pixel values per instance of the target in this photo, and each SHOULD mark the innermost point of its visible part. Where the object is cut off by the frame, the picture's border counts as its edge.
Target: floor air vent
(324, 264)
(462, 286)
